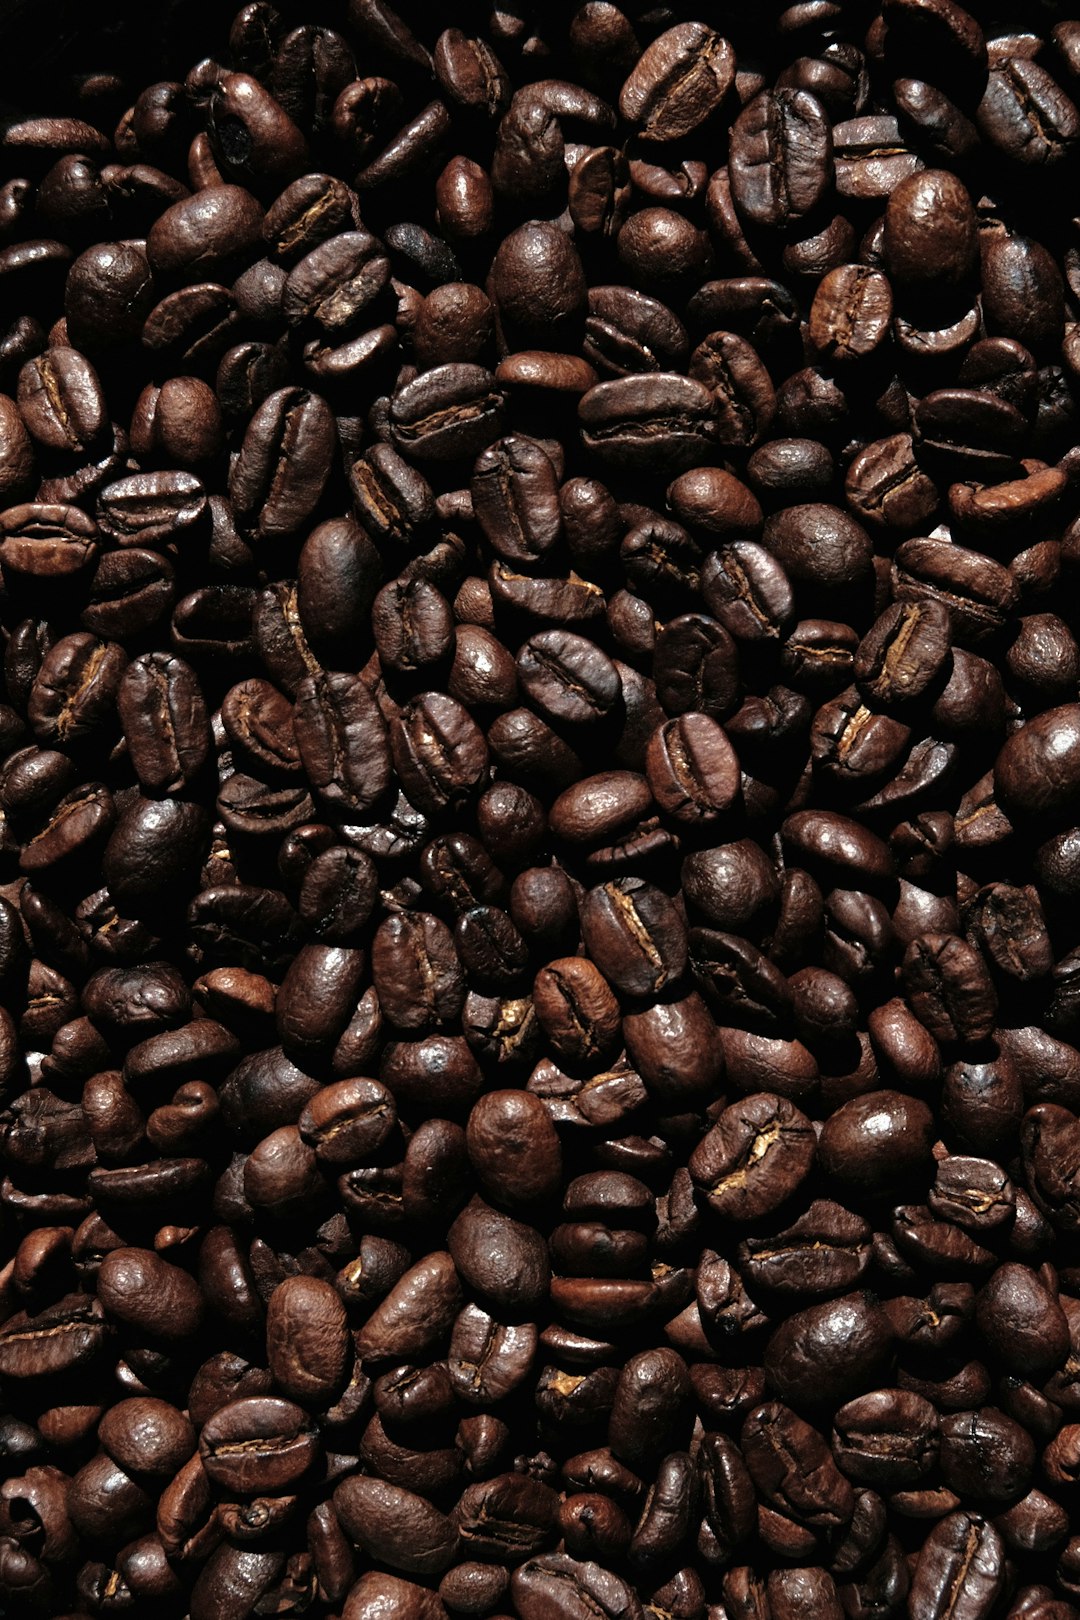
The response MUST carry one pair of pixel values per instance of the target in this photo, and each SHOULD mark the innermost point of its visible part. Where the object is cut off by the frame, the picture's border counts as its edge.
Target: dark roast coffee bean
(851, 313)
(755, 1156)
(781, 157)
(438, 751)
(165, 723)
(793, 1469)
(568, 676)
(823, 1352)
(660, 419)
(61, 401)
(825, 1250)
(47, 542)
(903, 652)
(259, 1444)
(452, 411)
(278, 476)
(960, 1541)
(682, 77)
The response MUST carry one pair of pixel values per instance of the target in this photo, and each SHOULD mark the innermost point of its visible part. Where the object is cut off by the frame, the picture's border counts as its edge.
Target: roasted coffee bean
(977, 591)
(824, 1351)
(781, 158)
(949, 988)
(661, 419)
(825, 1250)
(748, 591)
(283, 464)
(505, 1517)
(626, 331)
(395, 1525)
(47, 542)
(1020, 1318)
(438, 750)
(793, 1469)
(964, 1543)
(682, 78)
(257, 1444)
(851, 313)
(903, 652)
(452, 411)
(754, 1158)
(739, 981)
(568, 677)
(697, 666)
(692, 768)
(151, 509)
(513, 1147)
(576, 1008)
(634, 935)
(68, 1333)
(332, 286)
(888, 1438)
(61, 402)
(166, 727)
(307, 1339)
(894, 1133)
(555, 1581)
(820, 544)
(75, 688)
(515, 499)
(342, 740)
(504, 1260)
(141, 1290)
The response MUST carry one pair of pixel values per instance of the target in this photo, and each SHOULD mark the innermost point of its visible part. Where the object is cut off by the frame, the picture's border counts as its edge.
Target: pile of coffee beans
(540, 813)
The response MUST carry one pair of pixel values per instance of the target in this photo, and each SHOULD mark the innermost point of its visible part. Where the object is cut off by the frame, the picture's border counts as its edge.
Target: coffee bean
(793, 1469)
(166, 727)
(395, 1526)
(894, 1132)
(570, 678)
(949, 988)
(754, 1157)
(452, 411)
(826, 1249)
(819, 543)
(257, 1444)
(826, 1350)
(503, 1259)
(851, 312)
(307, 1339)
(68, 1333)
(1022, 1321)
(438, 750)
(284, 462)
(692, 768)
(376, 1593)
(515, 499)
(140, 1289)
(513, 1147)
(781, 157)
(965, 1541)
(659, 419)
(903, 652)
(61, 401)
(675, 85)
(634, 935)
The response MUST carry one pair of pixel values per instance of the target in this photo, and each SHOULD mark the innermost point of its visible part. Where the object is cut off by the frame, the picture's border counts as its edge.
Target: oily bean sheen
(540, 811)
